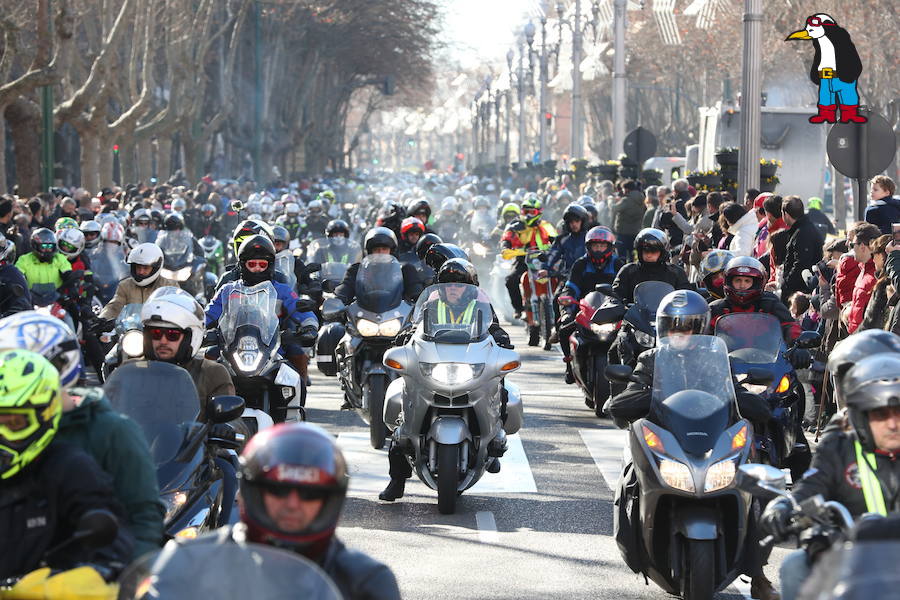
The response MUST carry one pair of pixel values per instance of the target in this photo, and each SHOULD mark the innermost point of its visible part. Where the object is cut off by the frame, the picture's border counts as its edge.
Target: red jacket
(862, 291)
(847, 272)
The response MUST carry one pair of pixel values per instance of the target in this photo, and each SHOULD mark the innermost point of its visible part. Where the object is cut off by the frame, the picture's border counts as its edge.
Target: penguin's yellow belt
(827, 73)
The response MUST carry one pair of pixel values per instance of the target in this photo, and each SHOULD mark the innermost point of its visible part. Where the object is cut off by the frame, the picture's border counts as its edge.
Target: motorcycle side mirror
(333, 309)
(96, 528)
(758, 377)
(808, 339)
(222, 409)
(313, 267)
(761, 480)
(609, 313)
(605, 289)
(618, 373)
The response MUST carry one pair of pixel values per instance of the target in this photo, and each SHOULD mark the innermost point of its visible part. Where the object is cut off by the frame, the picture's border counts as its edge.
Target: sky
(478, 31)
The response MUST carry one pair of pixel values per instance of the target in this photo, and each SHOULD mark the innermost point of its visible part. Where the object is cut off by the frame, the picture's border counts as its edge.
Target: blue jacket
(566, 249)
(10, 303)
(883, 213)
(291, 318)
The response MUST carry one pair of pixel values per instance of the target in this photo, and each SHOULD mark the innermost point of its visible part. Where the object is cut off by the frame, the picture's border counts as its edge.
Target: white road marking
(606, 447)
(487, 527)
(369, 470)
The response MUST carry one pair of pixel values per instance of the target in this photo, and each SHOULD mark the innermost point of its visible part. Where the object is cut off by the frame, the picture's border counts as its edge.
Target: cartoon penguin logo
(835, 69)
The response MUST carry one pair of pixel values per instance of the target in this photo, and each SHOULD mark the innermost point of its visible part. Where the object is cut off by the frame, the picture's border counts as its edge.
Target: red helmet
(286, 457)
(744, 266)
(600, 234)
(411, 225)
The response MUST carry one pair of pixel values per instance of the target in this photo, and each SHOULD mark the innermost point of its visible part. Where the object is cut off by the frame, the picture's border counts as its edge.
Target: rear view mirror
(605, 288)
(222, 409)
(609, 312)
(313, 267)
(332, 309)
(761, 480)
(97, 528)
(808, 339)
(756, 376)
(618, 373)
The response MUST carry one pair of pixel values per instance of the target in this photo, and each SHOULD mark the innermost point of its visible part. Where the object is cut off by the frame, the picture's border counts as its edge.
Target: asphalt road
(541, 528)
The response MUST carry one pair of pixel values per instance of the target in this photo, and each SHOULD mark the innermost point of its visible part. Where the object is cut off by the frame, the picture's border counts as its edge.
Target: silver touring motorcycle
(446, 408)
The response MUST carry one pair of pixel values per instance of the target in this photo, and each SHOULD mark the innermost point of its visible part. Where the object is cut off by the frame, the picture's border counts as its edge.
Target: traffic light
(115, 148)
(548, 118)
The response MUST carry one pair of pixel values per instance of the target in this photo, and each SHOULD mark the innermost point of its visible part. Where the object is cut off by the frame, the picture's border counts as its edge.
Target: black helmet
(438, 254)
(285, 458)
(157, 216)
(425, 242)
(393, 210)
(853, 349)
(871, 384)
(419, 206)
(576, 212)
(380, 236)
(281, 234)
(457, 270)
(256, 247)
(682, 310)
(247, 228)
(174, 222)
(337, 226)
(652, 239)
(43, 244)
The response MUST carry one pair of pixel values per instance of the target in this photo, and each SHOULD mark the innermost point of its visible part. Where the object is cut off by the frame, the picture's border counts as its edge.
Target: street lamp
(577, 138)
(510, 55)
(620, 80)
(543, 77)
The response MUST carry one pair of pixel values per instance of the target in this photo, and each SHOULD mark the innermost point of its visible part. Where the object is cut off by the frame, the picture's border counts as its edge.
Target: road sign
(640, 144)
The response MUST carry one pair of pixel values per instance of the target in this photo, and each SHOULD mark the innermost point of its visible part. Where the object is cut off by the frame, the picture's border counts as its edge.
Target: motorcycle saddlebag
(329, 337)
(626, 519)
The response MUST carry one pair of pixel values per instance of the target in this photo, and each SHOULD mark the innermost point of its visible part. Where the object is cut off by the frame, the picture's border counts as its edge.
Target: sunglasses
(816, 22)
(260, 264)
(283, 491)
(531, 211)
(67, 247)
(172, 335)
(47, 246)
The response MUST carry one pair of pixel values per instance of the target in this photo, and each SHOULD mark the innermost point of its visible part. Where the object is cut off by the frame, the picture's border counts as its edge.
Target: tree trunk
(104, 161)
(89, 169)
(24, 120)
(144, 160)
(3, 187)
(127, 163)
(164, 158)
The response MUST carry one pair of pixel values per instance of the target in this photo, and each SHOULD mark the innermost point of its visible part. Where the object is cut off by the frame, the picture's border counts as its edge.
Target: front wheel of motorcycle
(373, 393)
(447, 477)
(700, 571)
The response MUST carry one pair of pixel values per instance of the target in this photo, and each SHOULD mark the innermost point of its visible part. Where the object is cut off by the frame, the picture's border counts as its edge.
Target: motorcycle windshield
(230, 570)
(161, 398)
(284, 264)
(333, 271)
(255, 306)
(482, 223)
(648, 295)
(145, 234)
(453, 313)
(694, 362)
(129, 318)
(753, 338)
(336, 249)
(379, 283)
(108, 264)
(177, 247)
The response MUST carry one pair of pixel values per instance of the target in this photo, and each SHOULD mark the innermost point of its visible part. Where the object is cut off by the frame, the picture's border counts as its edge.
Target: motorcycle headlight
(247, 356)
(756, 389)
(451, 373)
(173, 502)
(133, 343)
(389, 328)
(719, 475)
(480, 250)
(182, 274)
(167, 273)
(604, 329)
(367, 328)
(644, 339)
(676, 475)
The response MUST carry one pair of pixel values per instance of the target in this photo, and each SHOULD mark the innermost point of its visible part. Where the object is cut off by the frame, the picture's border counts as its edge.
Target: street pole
(510, 55)
(257, 93)
(48, 156)
(748, 163)
(522, 159)
(542, 145)
(577, 143)
(620, 81)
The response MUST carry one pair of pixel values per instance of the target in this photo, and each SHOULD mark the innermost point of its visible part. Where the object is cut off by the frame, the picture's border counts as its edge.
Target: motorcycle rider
(509, 213)
(145, 262)
(91, 230)
(281, 240)
(338, 231)
(44, 264)
(48, 485)
(854, 463)
(411, 230)
(421, 210)
(316, 219)
(207, 224)
(570, 245)
(712, 272)
(652, 247)
(15, 296)
(293, 483)
(380, 240)
(244, 230)
(88, 422)
(290, 220)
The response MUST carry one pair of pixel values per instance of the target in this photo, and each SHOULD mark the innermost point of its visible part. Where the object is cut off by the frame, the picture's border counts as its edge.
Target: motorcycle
(755, 341)
(180, 264)
(678, 518)
(197, 485)
(248, 337)
(214, 253)
(284, 264)
(445, 409)
(109, 268)
(372, 322)
(127, 338)
(538, 291)
(500, 270)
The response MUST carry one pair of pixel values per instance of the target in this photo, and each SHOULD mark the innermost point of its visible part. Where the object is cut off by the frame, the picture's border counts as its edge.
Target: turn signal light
(740, 438)
(188, 533)
(652, 440)
(393, 364)
(783, 385)
(510, 366)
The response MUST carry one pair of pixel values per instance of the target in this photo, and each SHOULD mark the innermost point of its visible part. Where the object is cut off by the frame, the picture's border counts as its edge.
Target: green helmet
(531, 208)
(30, 408)
(510, 208)
(814, 202)
(65, 223)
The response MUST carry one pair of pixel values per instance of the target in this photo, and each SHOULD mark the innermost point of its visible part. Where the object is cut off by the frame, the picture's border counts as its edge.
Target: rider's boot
(570, 377)
(399, 470)
(534, 335)
(762, 589)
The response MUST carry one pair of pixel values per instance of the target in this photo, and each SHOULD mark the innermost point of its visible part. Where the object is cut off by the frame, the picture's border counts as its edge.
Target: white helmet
(46, 335)
(178, 205)
(112, 231)
(70, 242)
(174, 310)
(146, 254)
(91, 227)
(292, 209)
(449, 204)
(315, 205)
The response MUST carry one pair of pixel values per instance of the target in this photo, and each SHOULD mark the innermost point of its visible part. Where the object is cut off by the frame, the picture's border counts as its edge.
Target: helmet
(281, 234)
(336, 226)
(208, 210)
(744, 266)
(564, 197)
(178, 311)
(682, 310)
(111, 232)
(295, 456)
(584, 200)
(510, 209)
(425, 242)
(449, 204)
(419, 207)
(854, 348)
(326, 195)
(29, 386)
(651, 239)
(871, 384)
(600, 234)
(711, 268)
(91, 230)
(178, 205)
(576, 212)
(457, 270)
(814, 203)
(174, 222)
(71, 242)
(46, 335)
(440, 253)
(411, 225)
(157, 216)
(146, 254)
(380, 236)
(532, 209)
(315, 207)
(506, 195)
(65, 223)
(481, 202)
(256, 247)
(593, 213)
(141, 217)
(292, 209)
(247, 228)
(7, 250)
(43, 244)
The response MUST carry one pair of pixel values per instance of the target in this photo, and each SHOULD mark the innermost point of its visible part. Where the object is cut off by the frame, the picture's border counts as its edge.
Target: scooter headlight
(719, 475)
(389, 328)
(182, 274)
(367, 328)
(676, 475)
(451, 373)
(247, 356)
(133, 343)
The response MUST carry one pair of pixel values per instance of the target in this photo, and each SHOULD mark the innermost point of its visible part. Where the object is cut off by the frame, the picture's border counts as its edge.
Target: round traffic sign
(845, 145)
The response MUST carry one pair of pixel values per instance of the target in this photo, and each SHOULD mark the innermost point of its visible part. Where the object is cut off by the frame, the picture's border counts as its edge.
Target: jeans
(793, 572)
(834, 91)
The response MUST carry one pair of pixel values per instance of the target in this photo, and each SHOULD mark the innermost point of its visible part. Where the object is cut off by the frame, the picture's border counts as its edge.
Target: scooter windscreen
(231, 570)
(379, 283)
(334, 250)
(108, 268)
(284, 264)
(751, 338)
(453, 313)
(178, 252)
(249, 325)
(647, 296)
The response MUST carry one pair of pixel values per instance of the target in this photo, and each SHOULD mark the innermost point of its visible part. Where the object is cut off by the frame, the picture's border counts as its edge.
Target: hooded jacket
(744, 232)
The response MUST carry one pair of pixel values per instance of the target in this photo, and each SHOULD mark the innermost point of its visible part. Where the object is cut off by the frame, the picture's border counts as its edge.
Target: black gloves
(800, 358)
(776, 519)
(101, 325)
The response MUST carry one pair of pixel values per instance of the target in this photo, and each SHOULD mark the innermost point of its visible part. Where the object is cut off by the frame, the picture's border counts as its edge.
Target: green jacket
(628, 213)
(119, 447)
(37, 272)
